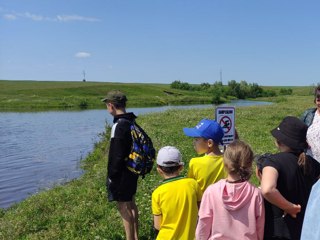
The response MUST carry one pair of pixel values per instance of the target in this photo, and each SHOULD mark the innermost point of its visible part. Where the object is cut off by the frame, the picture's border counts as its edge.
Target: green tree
(205, 86)
(255, 90)
(175, 84)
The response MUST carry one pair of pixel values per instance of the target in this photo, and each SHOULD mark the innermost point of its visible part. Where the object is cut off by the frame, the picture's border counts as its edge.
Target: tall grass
(79, 209)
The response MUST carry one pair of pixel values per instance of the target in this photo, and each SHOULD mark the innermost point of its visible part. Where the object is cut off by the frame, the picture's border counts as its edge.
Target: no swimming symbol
(226, 124)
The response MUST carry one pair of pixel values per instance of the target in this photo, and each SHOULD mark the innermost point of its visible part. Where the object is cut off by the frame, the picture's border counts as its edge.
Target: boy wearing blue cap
(209, 168)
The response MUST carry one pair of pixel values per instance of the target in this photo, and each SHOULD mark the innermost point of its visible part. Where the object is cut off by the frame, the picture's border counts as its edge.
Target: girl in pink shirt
(232, 208)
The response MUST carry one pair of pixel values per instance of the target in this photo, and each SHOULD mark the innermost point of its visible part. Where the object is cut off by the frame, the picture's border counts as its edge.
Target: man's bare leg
(135, 218)
(129, 215)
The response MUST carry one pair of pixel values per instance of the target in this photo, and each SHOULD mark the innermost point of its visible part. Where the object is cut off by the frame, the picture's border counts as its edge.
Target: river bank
(79, 210)
(58, 95)
(37, 166)
(55, 95)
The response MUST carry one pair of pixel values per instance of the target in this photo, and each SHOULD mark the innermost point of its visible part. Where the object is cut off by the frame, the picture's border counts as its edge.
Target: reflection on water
(38, 150)
(41, 149)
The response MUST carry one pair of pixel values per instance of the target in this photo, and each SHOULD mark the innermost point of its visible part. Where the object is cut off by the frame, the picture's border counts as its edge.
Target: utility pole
(221, 75)
(84, 76)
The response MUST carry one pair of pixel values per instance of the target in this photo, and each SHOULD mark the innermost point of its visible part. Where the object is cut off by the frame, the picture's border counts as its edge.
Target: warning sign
(226, 123)
(225, 116)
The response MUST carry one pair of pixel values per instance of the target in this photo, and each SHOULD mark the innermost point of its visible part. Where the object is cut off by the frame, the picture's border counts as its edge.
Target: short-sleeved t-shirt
(295, 187)
(176, 199)
(206, 170)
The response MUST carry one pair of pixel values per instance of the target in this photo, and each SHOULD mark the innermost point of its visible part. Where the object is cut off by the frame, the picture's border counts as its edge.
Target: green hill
(48, 95)
(28, 95)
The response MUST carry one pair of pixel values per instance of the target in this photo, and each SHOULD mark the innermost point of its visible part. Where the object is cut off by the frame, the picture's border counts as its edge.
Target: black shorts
(123, 188)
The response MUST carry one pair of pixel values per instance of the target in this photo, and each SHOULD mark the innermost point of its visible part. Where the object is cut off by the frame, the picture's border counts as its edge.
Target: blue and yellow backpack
(142, 154)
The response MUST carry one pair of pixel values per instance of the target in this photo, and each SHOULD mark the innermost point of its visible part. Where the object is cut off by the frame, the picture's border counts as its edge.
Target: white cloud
(33, 17)
(9, 16)
(82, 55)
(67, 18)
(57, 18)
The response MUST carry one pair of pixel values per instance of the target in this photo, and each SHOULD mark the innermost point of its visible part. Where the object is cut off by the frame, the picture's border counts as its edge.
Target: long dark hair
(316, 90)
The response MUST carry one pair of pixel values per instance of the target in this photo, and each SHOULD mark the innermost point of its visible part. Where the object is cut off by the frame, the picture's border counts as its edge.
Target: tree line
(240, 90)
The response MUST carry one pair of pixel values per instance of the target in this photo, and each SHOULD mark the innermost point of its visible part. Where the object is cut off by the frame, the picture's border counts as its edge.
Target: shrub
(83, 103)
(240, 90)
(177, 84)
(285, 91)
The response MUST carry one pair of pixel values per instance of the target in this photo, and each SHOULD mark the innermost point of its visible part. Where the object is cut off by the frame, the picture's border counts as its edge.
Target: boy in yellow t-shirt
(209, 168)
(175, 202)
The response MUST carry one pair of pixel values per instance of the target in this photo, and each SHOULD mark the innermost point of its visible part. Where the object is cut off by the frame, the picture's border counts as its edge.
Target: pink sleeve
(260, 216)
(205, 217)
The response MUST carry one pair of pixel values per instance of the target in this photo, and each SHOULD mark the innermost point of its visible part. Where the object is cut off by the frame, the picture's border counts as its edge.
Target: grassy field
(36, 95)
(298, 91)
(79, 210)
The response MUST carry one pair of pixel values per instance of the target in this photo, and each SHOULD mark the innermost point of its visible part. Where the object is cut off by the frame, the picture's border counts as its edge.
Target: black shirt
(295, 186)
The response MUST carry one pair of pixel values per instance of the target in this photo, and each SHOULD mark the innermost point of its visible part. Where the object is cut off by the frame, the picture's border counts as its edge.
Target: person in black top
(287, 179)
(121, 182)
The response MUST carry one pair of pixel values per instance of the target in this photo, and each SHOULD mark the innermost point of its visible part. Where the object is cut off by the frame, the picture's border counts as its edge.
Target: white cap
(169, 157)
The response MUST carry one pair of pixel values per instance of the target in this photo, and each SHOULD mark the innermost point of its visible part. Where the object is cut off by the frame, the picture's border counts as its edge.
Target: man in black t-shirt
(121, 182)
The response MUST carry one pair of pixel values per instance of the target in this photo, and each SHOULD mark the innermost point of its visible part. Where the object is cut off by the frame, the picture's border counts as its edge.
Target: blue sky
(274, 42)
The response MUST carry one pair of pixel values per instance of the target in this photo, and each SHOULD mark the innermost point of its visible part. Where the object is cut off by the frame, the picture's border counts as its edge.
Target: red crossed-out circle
(226, 124)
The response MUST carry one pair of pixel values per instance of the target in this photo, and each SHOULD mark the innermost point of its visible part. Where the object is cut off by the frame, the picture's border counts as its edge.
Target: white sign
(225, 116)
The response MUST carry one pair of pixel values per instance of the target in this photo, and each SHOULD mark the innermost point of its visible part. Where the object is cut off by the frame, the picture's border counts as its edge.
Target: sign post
(225, 116)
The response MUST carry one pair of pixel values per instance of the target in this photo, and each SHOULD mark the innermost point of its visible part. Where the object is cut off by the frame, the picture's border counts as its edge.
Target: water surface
(41, 149)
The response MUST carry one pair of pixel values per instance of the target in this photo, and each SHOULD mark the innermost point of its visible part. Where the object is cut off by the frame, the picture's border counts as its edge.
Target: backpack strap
(136, 125)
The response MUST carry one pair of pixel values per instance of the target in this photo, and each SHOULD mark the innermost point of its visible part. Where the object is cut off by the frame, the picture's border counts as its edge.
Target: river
(41, 149)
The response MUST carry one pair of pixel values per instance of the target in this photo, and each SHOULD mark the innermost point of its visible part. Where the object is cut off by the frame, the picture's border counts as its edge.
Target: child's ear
(210, 143)
(159, 170)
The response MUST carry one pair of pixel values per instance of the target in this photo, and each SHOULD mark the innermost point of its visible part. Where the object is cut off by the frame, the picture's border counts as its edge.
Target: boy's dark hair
(169, 170)
(119, 104)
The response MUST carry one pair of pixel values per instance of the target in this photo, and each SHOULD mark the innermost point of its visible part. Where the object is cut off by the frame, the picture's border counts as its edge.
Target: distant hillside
(27, 95)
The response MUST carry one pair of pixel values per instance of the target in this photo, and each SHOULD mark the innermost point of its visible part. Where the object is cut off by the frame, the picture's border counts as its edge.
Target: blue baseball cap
(206, 128)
